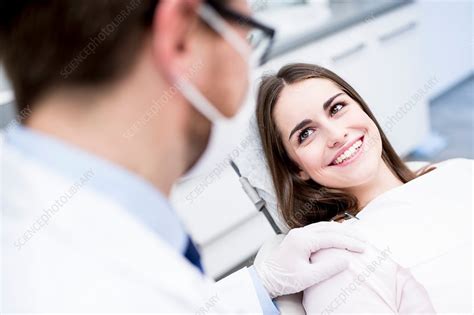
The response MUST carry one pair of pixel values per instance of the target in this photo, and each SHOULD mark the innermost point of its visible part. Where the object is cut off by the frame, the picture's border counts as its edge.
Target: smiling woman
(330, 160)
(326, 152)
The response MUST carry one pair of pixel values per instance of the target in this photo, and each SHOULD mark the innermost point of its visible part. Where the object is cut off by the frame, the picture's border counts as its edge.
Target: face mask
(189, 91)
(196, 98)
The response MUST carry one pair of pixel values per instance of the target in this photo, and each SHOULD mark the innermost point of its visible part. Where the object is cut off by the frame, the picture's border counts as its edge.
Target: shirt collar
(132, 192)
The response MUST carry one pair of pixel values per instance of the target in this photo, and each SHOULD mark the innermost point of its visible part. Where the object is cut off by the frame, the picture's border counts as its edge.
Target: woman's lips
(353, 157)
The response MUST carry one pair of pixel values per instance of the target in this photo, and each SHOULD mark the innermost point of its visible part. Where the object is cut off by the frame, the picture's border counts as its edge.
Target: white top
(423, 227)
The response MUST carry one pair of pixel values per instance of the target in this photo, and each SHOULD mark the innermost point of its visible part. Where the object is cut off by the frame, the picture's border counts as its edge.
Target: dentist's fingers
(334, 227)
(288, 269)
(320, 240)
(326, 269)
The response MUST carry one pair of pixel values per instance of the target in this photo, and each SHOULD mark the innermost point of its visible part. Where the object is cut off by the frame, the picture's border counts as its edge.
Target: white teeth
(349, 152)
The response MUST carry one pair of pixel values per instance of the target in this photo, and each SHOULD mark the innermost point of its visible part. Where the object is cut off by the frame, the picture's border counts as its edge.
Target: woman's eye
(304, 134)
(336, 108)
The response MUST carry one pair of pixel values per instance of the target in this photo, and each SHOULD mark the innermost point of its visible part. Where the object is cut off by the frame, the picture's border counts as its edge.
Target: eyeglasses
(260, 37)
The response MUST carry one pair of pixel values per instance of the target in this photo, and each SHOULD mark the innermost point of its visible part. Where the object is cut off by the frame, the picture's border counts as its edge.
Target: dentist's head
(137, 82)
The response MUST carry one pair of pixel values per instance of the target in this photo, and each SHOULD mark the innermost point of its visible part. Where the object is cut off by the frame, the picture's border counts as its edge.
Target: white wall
(447, 41)
(6, 97)
(4, 84)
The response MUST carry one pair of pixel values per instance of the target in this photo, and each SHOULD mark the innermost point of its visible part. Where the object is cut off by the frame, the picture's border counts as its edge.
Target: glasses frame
(235, 16)
(246, 20)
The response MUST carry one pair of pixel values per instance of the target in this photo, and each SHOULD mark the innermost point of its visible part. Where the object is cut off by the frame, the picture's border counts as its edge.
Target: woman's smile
(348, 153)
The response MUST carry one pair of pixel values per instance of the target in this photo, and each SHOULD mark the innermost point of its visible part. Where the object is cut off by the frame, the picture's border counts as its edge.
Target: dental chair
(256, 181)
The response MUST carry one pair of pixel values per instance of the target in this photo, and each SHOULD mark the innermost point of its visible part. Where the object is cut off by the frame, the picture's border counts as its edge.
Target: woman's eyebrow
(299, 126)
(329, 101)
(305, 122)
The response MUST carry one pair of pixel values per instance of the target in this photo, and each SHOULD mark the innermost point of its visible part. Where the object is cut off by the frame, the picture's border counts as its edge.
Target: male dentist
(116, 101)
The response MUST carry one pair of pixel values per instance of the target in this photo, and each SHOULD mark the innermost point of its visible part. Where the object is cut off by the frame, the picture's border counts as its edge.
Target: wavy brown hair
(303, 202)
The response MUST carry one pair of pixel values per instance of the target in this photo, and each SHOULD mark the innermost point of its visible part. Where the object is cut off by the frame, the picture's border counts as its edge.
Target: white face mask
(199, 101)
(189, 91)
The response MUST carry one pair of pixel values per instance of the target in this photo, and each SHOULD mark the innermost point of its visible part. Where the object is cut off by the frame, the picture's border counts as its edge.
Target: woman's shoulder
(369, 281)
(423, 167)
(455, 161)
(452, 177)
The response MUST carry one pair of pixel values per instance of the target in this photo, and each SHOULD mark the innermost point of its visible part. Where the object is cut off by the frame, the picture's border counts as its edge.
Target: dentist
(116, 101)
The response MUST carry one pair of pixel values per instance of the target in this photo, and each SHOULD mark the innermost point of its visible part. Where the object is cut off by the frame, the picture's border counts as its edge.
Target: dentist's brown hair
(305, 202)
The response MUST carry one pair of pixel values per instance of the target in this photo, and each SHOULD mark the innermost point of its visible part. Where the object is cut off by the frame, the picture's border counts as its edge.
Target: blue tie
(192, 255)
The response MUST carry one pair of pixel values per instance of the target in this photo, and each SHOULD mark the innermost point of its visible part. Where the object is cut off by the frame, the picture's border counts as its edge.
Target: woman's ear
(303, 175)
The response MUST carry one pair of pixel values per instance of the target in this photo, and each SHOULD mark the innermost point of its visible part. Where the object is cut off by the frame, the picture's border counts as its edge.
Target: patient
(330, 160)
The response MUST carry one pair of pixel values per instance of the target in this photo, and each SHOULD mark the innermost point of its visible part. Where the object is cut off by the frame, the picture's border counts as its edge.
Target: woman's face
(327, 134)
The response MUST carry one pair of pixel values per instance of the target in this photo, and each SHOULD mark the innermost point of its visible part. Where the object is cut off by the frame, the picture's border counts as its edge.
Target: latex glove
(288, 269)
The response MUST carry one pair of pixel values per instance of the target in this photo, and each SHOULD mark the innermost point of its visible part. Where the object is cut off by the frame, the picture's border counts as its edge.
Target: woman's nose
(336, 137)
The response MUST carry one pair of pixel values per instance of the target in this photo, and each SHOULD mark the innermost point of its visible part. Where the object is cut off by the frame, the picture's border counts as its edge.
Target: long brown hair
(303, 202)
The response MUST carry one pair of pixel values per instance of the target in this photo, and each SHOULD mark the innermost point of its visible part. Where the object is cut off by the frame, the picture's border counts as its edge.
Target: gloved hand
(288, 269)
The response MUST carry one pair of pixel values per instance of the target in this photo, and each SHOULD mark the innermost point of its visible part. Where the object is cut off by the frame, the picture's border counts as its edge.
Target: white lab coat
(91, 256)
